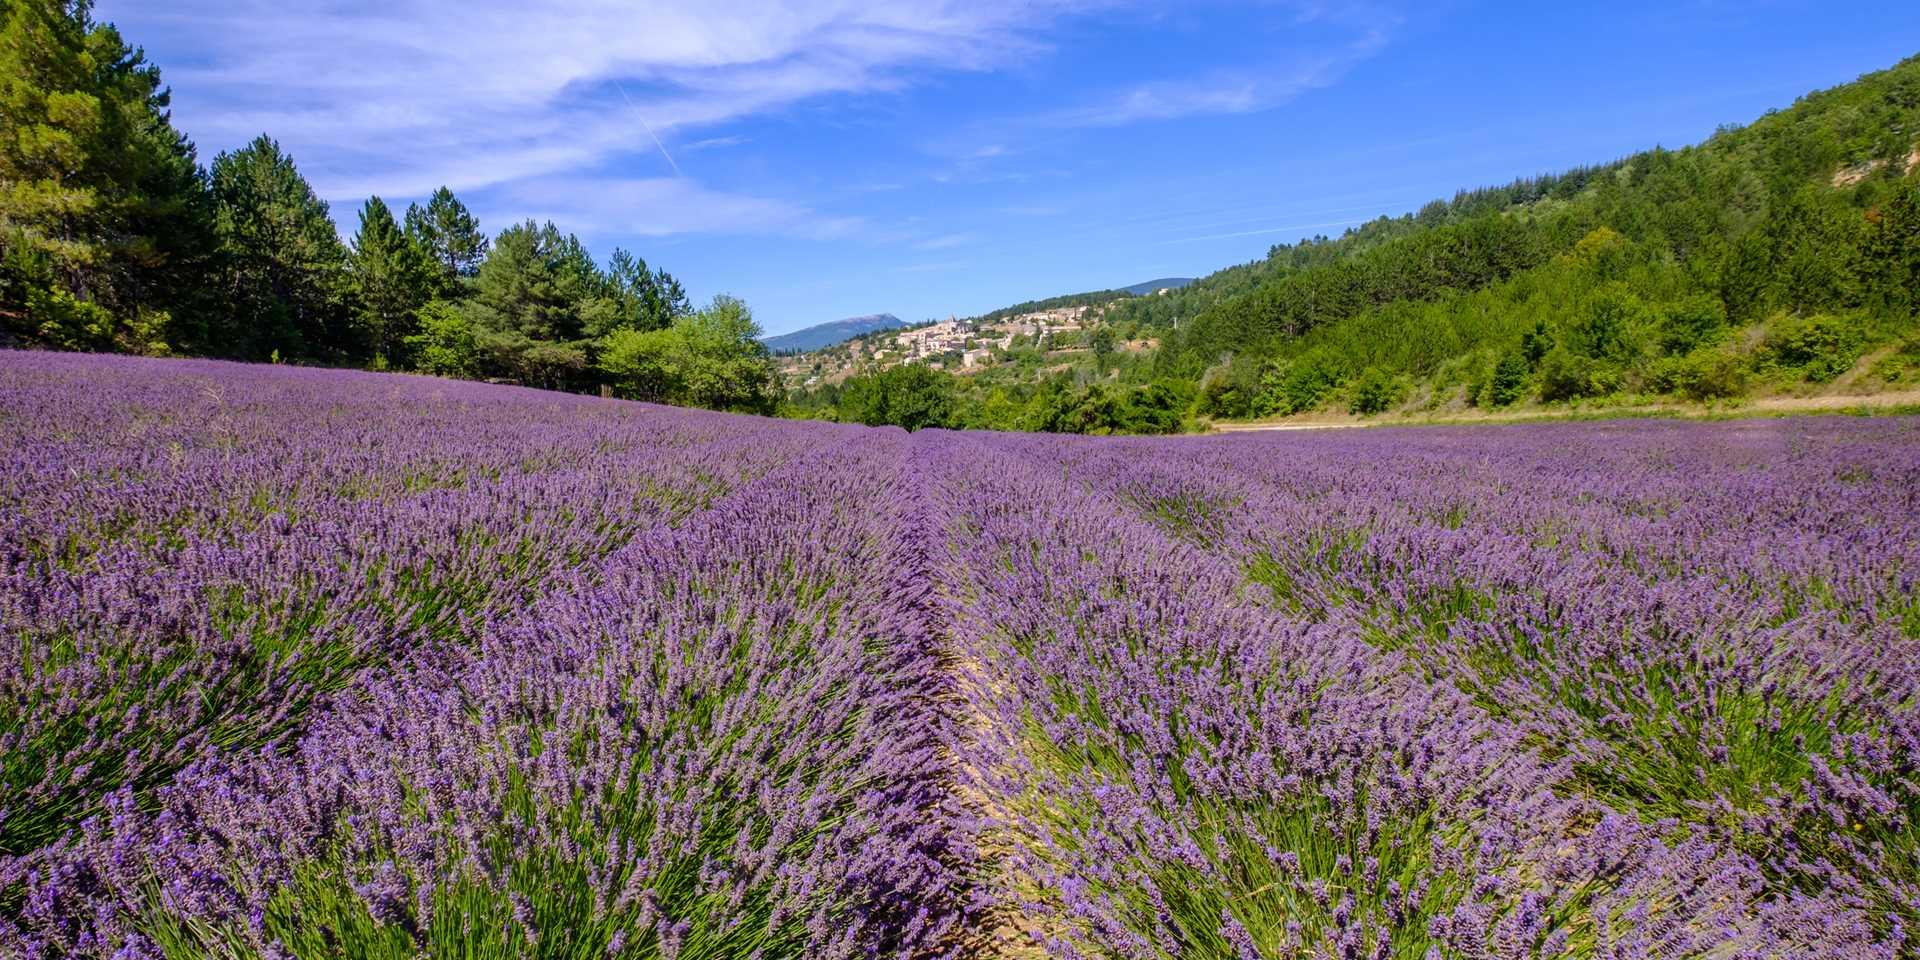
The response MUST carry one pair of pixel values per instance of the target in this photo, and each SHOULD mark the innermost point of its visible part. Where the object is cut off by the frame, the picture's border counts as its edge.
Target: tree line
(1774, 254)
(1777, 256)
(114, 237)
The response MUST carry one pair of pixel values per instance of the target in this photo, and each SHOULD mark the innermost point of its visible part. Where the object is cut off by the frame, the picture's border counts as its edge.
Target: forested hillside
(1782, 250)
(114, 238)
(1777, 258)
(1780, 257)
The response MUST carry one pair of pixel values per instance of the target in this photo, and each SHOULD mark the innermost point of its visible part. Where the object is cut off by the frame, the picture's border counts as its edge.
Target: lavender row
(194, 554)
(1187, 774)
(1712, 624)
(721, 747)
(317, 664)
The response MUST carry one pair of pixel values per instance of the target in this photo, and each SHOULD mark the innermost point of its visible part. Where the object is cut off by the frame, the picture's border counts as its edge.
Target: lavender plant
(311, 664)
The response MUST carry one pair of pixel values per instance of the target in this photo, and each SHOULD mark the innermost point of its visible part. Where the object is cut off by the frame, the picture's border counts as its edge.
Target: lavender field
(320, 664)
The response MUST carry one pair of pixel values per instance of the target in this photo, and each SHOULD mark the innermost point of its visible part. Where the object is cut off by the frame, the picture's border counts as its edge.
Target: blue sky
(923, 157)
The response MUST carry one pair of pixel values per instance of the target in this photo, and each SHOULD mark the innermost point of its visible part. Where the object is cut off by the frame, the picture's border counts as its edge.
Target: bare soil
(1759, 406)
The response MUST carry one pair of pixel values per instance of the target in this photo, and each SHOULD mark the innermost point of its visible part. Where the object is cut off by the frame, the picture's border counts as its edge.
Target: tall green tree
(392, 278)
(286, 272)
(728, 368)
(537, 283)
(103, 214)
(911, 395)
(1891, 254)
(648, 300)
(709, 358)
(1103, 342)
(451, 236)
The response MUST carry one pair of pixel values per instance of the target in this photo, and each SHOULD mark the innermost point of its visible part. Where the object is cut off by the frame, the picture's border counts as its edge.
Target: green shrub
(1509, 381)
(1374, 392)
(446, 343)
(911, 395)
(1901, 366)
(1702, 375)
(1565, 375)
(1536, 343)
(1819, 348)
(1301, 385)
(1606, 330)
(1233, 390)
(1695, 322)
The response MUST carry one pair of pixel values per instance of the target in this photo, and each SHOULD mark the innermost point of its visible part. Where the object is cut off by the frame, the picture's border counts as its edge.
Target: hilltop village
(964, 347)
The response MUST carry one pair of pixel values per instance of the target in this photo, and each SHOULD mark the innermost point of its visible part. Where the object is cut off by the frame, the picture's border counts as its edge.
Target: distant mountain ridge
(823, 335)
(1164, 283)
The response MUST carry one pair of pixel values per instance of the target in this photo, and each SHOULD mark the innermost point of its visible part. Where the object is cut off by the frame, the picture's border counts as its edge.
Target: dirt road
(1760, 407)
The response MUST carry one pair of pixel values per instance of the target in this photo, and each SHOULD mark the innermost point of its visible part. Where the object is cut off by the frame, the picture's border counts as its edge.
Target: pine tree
(642, 300)
(672, 294)
(392, 277)
(103, 214)
(1891, 255)
(450, 235)
(543, 284)
(285, 266)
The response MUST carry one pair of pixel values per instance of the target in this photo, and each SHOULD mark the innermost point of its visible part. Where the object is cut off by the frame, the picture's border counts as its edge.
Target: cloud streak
(1223, 92)
(661, 207)
(575, 112)
(400, 98)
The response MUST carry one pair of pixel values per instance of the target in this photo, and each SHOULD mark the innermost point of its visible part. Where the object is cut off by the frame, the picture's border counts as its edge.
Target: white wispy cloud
(1225, 92)
(711, 143)
(946, 241)
(660, 207)
(554, 110)
(402, 97)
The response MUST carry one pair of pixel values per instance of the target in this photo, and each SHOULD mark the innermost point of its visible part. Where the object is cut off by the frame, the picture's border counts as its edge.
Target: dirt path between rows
(1764, 406)
(1002, 930)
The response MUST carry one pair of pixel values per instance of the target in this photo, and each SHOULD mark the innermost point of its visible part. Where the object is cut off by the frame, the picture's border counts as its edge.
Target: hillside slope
(1776, 259)
(1772, 257)
(822, 335)
(1155, 286)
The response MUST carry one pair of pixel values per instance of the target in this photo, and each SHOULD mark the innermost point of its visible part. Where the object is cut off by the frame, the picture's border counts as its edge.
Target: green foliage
(727, 366)
(647, 300)
(1891, 254)
(1419, 265)
(640, 364)
(104, 221)
(1902, 366)
(1231, 389)
(1607, 330)
(1566, 375)
(392, 277)
(1101, 340)
(286, 270)
(444, 342)
(1818, 348)
(1301, 385)
(1104, 409)
(1698, 320)
(540, 284)
(711, 358)
(1535, 344)
(1707, 374)
(1511, 377)
(450, 237)
(1375, 391)
(911, 395)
